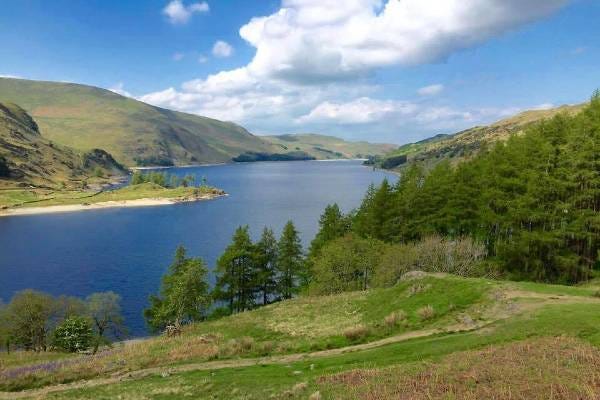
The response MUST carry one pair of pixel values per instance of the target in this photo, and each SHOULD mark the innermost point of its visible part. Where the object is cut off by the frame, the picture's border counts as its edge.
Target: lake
(127, 250)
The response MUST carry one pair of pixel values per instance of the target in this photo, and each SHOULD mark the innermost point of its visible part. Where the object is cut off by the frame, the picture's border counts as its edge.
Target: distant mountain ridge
(323, 147)
(465, 144)
(135, 133)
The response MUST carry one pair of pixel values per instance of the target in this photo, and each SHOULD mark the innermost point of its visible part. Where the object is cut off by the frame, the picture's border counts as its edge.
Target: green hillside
(135, 133)
(482, 335)
(467, 143)
(29, 159)
(324, 147)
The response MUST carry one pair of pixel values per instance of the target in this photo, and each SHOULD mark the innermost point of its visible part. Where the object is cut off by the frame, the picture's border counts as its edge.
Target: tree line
(165, 179)
(248, 274)
(37, 321)
(532, 202)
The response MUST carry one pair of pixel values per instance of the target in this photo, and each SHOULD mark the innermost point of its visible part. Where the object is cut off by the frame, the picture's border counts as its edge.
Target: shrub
(356, 332)
(426, 313)
(395, 318)
(345, 264)
(74, 334)
(596, 293)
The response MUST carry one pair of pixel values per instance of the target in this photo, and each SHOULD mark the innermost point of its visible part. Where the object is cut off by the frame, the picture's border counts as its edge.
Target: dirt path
(504, 308)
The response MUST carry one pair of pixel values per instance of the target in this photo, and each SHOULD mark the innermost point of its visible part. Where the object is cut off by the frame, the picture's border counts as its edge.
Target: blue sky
(379, 70)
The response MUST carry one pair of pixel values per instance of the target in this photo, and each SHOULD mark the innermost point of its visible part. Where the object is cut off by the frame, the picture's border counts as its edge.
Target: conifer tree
(290, 263)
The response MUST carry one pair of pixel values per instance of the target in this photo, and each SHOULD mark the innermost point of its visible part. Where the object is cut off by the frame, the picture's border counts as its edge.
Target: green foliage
(266, 266)
(28, 318)
(332, 225)
(73, 335)
(184, 295)
(534, 201)
(290, 263)
(236, 273)
(345, 264)
(104, 310)
(162, 179)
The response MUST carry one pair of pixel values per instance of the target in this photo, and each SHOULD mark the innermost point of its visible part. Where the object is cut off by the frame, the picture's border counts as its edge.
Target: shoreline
(68, 208)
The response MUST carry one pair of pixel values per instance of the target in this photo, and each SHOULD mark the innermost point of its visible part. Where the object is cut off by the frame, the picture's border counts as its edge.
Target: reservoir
(127, 250)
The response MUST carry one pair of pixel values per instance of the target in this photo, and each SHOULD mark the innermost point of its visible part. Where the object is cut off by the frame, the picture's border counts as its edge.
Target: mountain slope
(324, 147)
(467, 143)
(28, 159)
(86, 117)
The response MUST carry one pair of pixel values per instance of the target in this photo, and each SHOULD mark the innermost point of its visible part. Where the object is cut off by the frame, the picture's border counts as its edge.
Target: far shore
(147, 202)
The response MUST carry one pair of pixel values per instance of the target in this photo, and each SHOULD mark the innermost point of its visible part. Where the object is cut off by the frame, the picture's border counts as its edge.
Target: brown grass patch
(549, 368)
(356, 332)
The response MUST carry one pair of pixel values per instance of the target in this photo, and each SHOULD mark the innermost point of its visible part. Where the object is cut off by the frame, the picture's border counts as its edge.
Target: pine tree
(290, 263)
(236, 274)
(266, 266)
(332, 225)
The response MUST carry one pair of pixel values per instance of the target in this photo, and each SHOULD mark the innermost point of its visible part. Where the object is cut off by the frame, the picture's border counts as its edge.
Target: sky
(392, 71)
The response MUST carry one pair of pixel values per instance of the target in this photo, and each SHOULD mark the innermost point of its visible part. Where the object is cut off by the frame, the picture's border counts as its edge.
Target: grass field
(490, 332)
(18, 198)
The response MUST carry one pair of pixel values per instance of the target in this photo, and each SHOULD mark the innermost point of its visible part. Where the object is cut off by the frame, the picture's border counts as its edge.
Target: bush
(426, 313)
(356, 332)
(394, 318)
(74, 334)
(345, 264)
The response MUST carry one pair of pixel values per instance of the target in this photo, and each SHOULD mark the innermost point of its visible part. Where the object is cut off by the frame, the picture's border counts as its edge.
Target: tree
(346, 264)
(266, 266)
(105, 312)
(236, 273)
(290, 263)
(332, 225)
(183, 296)
(137, 178)
(28, 316)
(73, 334)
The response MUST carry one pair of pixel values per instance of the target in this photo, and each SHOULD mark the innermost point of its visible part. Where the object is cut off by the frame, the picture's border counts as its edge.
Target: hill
(467, 143)
(483, 336)
(29, 159)
(323, 147)
(135, 133)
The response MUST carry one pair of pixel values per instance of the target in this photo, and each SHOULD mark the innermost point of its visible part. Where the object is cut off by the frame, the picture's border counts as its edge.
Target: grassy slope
(86, 117)
(467, 143)
(35, 161)
(531, 313)
(324, 147)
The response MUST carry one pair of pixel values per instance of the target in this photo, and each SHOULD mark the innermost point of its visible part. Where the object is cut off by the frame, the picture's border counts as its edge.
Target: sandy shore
(11, 212)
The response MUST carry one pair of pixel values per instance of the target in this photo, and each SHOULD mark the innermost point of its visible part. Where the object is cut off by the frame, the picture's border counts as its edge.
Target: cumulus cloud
(431, 90)
(179, 13)
(222, 49)
(119, 88)
(313, 57)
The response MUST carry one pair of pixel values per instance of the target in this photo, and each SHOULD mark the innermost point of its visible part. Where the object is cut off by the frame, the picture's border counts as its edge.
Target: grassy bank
(20, 198)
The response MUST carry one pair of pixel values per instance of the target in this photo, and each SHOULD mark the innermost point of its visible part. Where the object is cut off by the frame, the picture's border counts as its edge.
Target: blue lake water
(127, 250)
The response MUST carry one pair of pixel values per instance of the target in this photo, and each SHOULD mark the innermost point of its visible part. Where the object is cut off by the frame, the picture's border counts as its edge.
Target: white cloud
(312, 57)
(322, 40)
(119, 88)
(543, 106)
(222, 49)
(11, 76)
(431, 90)
(179, 13)
(178, 56)
(202, 59)
(360, 111)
